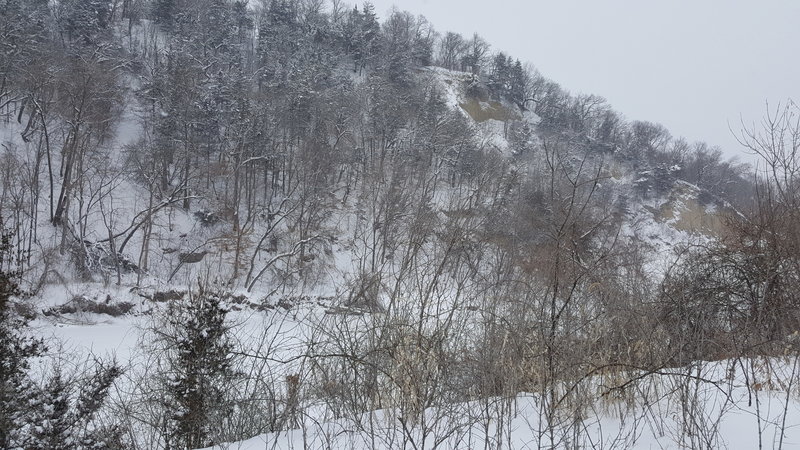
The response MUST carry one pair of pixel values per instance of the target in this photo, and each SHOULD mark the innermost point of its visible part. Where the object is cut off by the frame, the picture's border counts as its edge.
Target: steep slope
(660, 208)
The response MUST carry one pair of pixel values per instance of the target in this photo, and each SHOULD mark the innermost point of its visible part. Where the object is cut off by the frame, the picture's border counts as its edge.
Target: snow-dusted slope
(109, 319)
(721, 405)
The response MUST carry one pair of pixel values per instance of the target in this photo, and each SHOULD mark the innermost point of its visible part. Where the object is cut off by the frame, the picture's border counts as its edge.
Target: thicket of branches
(241, 105)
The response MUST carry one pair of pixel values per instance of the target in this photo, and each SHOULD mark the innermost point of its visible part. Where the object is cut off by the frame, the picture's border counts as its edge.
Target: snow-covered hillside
(289, 224)
(87, 319)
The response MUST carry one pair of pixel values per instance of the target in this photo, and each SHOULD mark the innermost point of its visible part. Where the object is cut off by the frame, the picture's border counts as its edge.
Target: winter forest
(296, 224)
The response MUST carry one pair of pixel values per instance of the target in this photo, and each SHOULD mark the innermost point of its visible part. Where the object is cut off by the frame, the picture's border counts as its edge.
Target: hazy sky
(692, 65)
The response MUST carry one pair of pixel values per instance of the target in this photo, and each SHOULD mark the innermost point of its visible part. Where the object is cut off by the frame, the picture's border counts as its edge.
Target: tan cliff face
(684, 211)
(478, 105)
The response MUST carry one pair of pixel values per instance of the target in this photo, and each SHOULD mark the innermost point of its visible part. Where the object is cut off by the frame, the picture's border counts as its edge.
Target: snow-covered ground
(708, 405)
(737, 404)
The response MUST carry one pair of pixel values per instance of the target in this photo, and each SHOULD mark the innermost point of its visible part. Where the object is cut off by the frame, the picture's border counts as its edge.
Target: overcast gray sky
(692, 65)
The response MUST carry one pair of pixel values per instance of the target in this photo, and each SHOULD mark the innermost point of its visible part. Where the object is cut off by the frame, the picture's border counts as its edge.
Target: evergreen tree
(360, 36)
(520, 138)
(499, 77)
(200, 367)
(279, 38)
(517, 84)
(58, 415)
(62, 412)
(370, 34)
(16, 350)
(83, 21)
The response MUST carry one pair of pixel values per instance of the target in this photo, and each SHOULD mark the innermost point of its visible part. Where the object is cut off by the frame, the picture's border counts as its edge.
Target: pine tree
(50, 419)
(16, 351)
(62, 412)
(279, 38)
(84, 20)
(360, 36)
(200, 366)
(517, 84)
(499, 77)
(57, 415)
(370, 34)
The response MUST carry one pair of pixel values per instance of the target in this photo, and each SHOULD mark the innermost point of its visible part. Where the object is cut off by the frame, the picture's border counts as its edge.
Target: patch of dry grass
(481, 111)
